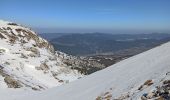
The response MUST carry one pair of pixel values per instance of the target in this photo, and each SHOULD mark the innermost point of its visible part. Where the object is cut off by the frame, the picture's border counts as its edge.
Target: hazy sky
(115, 16)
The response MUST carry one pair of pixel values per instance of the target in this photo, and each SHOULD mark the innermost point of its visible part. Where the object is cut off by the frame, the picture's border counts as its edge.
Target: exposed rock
(33, 49)
(1, 71)
(146, 84)
(2, 50)
(14, 24)
(23, 41)
(1, 36)
(106, 96)
(162, 92)
(7, 63)
(12, 83)
(43, 67)
(34, 52)
(24, 56)
(28, 34)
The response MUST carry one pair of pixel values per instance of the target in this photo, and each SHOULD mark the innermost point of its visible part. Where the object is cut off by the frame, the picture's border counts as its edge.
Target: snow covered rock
(29, 61)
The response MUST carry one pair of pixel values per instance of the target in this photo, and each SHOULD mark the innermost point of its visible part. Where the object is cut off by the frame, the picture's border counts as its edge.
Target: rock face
(160, 92)
(15, 33)
(12, 83)
(29, 61)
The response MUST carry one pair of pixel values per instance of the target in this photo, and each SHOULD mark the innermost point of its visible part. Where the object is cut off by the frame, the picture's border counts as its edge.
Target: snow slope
(119, 81)
(28, 61)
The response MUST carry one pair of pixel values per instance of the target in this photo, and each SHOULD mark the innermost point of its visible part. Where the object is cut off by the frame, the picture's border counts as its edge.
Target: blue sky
(111, 16)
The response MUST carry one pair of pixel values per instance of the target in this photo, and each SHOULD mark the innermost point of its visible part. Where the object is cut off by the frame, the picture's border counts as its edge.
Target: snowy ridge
(28, 61)
(126, 80)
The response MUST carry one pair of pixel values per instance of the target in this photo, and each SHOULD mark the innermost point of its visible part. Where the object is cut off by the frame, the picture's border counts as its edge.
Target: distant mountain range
(100, 43)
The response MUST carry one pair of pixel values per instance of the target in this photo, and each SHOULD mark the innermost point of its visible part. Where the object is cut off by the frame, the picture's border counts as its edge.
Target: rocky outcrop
(44, 67)
(161, 92)
(12, 83)
(29, 61)
(2, 51)
(146, 84)
(9, 80)
(24, 35)
(24, 56)
(34, 52)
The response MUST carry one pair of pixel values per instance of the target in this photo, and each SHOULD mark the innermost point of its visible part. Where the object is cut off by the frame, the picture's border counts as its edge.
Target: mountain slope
(128, 79)
(28, 61)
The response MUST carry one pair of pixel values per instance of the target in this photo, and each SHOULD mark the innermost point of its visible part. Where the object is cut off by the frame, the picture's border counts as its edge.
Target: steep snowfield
(121, 80)
(28, 61)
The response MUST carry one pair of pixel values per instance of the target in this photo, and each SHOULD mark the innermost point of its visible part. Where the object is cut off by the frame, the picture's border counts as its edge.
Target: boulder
(12, 83)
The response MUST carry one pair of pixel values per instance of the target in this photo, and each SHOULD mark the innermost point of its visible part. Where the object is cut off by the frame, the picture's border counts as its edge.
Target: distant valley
(106, 49)
(98, 43)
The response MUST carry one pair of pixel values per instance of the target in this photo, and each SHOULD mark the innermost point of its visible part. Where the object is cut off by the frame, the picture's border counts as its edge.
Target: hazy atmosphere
(78, 16)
